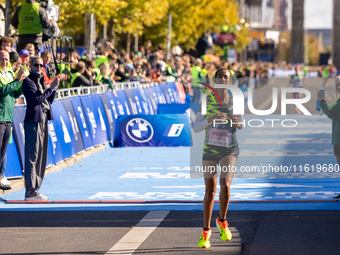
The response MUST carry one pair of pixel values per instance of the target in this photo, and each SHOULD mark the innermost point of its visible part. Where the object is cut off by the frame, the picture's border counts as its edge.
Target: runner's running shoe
(336, 198)
(204, 240)
(225, 233)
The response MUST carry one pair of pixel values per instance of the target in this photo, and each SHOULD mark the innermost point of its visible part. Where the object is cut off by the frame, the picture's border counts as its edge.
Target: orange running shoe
(204, 240)
(225, 233)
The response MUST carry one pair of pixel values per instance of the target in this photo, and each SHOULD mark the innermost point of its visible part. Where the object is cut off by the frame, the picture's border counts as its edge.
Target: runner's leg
(225, 183)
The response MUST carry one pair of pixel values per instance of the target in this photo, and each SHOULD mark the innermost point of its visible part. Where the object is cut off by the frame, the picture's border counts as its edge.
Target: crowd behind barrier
(87, 117)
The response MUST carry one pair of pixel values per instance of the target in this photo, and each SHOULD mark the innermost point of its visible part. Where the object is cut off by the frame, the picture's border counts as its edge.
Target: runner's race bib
(220, 135)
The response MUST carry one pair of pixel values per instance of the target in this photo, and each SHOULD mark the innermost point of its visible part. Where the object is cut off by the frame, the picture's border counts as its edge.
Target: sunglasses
(37, 65)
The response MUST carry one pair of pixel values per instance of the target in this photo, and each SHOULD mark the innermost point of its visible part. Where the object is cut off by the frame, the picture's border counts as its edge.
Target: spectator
(25, 59)
(91, 66)
(15, 61)
(30, 47)
(8, 85)
(82, 77)
(38, 112)
(105, 73)
(6, 43)
(30, 19)
(196, 74)
(103, 58)
(46, 57)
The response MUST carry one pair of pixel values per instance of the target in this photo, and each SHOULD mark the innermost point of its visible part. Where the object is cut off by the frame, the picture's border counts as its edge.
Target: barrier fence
(131, 115)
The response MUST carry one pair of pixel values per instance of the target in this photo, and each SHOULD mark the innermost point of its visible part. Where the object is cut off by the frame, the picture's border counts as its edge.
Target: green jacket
(107, 81)
(8, 96)
(333, 112)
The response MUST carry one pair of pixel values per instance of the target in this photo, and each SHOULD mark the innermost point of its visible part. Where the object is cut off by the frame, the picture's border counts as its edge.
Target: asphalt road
(254, 232)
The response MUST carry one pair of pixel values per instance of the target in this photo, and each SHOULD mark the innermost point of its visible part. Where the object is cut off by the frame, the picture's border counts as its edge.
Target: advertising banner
(83, 126)
(154, 130)
(109, 116)
(63, 129)
(95, 120)
(13, 166)
(78, 140)
(19, 132)
(172, 92)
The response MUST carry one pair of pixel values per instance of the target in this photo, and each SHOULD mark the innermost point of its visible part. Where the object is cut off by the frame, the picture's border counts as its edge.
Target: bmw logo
(139, 130)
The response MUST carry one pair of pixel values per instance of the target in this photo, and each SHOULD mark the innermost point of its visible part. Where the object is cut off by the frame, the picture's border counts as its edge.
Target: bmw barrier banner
(131, 100)
(104, 124)
(141, 101)
(54, 148)
(83, 126)
(154, 130)
(181, 91)
(152, 105)
(111, 121)
(63, 129)
(78, 140)
(173, 108)
(112, 98)
(13, 166)
(172, 92)
(151, 100)
(19, 132)
(95, 120)
(122, 102)
(157, 94)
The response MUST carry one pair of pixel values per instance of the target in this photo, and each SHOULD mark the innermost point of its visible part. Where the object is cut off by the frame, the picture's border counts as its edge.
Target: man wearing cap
(8, 85)
(30, 19)
(25, 59)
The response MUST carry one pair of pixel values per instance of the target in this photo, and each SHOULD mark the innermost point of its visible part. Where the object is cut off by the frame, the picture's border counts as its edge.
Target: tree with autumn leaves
(149, 18)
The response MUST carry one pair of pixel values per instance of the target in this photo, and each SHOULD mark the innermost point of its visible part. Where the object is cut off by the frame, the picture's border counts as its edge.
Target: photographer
(30, 19)
(82, 77)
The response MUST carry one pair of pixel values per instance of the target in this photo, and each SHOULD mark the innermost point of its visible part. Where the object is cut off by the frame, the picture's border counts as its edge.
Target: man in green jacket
(8, 85)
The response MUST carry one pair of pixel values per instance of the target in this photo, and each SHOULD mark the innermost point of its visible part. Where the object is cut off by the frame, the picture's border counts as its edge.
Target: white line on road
(136, 236)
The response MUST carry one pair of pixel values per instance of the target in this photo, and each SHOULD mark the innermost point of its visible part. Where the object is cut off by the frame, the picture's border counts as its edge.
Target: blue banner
(131, 100)
(83, 126)
(157, 94)
(142, 103)
(13, 166)
(63, 129)
(111, 121)
(151, 101)
(173, 108)
(98, 104)
(19, 132)
(95, 120)
(122, 102)
(154, 130)
(78, 140)
(172, 92)
(54, 148)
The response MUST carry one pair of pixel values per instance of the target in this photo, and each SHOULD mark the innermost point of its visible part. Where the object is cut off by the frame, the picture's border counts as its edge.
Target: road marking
(136, 236)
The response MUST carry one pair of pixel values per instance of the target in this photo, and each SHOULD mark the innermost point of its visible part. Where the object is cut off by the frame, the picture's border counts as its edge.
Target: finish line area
(159, 178)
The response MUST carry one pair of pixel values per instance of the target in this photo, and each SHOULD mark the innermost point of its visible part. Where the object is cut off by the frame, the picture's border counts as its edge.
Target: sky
(318, 14)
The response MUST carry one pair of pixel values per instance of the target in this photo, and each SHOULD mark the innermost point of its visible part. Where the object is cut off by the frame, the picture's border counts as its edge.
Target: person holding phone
(333, 112)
